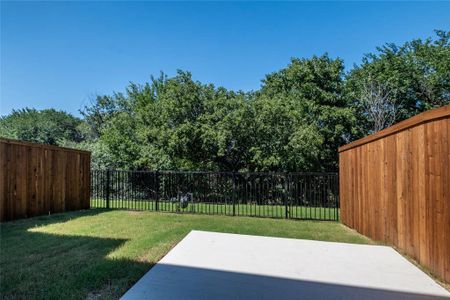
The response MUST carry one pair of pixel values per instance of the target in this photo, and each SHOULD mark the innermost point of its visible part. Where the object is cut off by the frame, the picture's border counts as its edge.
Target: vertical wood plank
(3, 172)
(447, 205)
(396, 188)
(39, 179)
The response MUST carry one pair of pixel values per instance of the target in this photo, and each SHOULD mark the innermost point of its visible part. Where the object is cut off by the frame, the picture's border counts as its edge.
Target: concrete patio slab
(209, 265)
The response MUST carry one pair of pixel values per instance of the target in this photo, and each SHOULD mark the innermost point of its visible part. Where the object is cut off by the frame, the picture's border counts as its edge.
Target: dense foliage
(415, 76)
(295, 122)
(47, 126)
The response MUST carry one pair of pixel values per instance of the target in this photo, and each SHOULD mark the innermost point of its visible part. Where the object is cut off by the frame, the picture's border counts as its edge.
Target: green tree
(46, 126)
(303, 116)
(175, 123)
(415, 76)
(227, 130)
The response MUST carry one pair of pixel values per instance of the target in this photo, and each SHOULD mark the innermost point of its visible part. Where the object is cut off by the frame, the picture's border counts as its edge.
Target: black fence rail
(276, 195)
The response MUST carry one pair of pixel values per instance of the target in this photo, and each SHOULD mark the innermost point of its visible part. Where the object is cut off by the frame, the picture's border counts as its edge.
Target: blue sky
(60, 55)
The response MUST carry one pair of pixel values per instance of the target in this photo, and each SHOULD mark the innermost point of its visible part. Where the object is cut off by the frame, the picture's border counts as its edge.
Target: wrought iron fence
(276, 195)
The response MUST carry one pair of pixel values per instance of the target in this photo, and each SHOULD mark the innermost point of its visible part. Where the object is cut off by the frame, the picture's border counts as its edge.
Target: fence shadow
(37, 265)
(166, 281)
(50, 218)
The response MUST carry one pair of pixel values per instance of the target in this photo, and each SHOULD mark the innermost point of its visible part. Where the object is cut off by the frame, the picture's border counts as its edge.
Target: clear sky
(60, 55)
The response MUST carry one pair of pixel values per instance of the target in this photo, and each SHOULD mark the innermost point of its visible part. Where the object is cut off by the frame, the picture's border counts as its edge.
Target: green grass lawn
(99, 254)
(271, 211)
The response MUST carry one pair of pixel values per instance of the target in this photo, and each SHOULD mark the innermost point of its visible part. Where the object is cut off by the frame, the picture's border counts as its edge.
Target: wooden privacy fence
(395, 188)
(40, 179)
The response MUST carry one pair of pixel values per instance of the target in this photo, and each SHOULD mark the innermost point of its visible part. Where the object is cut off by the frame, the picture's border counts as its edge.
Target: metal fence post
(286, 195)
(234, 194)
(108, 183)
(157, 190)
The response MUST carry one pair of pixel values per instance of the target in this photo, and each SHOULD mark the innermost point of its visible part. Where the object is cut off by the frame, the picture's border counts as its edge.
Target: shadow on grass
(36, 265)
(53, 218)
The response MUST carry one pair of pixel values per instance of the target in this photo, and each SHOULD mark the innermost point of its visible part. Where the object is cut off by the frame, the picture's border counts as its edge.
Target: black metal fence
(276, 195)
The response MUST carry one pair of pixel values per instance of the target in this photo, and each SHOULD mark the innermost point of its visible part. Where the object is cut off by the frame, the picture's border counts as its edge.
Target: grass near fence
(99, 254)
(250, 210)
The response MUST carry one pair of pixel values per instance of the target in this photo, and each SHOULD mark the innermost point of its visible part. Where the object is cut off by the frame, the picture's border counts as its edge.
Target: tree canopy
(415, 75)
(295, 122)
(46, 126)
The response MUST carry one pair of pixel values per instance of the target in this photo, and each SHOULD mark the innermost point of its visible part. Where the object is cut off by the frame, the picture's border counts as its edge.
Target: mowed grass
(251, 210)
(100, 254)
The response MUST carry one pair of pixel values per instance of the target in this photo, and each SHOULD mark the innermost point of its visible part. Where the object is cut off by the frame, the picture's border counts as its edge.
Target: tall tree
(416, 75)
(310, 91)
(46, 126)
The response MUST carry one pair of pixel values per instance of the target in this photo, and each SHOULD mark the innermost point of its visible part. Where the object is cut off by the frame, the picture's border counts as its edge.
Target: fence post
(234, 194)
(337, 195)
(286, 195)
(108, 183)
(157, 190)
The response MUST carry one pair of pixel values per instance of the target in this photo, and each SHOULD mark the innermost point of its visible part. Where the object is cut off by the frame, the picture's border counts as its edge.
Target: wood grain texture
(395, 188)
(39, 179)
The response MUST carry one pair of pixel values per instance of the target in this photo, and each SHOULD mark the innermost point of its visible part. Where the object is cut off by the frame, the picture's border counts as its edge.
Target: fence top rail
(434, 114)
(220, 173)
(42, 146)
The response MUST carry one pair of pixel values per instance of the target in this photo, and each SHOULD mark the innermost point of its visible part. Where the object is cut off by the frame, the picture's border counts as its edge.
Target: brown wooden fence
(395, 188)
(40, 179)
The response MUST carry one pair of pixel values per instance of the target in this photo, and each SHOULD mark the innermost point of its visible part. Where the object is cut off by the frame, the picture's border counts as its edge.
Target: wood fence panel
(395, 188)
(40, 179)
